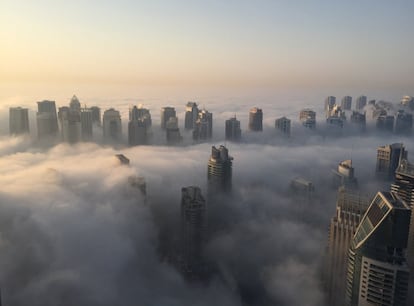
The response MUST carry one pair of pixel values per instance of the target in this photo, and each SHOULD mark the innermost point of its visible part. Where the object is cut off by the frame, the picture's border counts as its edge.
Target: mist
(74, 233)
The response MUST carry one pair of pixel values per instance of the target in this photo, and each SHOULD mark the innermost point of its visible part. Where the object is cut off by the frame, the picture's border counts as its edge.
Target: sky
(239, 44)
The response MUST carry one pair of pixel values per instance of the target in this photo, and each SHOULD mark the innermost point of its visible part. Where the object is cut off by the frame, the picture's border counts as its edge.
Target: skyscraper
(166, 113)
(346, 103)
(18, 120)
(46, 118)
(385, 123)
(330, 102)
(96, 115)
(256, 119)
(193, 230)
(378, 273)
(86, 124)
(388, 158)
(308, 118)
(219, 170)
(403, 123)
(233, 131)
(283, 125)
(204, 126)
(359, 120)
(344, 175)
(360, 103)
(191, 115)
(70, 124)
(173, 132)
(350, 207)
(138, 125)
(112, 128)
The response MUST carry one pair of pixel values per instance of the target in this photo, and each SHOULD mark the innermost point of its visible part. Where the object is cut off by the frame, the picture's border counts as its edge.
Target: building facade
(388, 159)
(112, 127)
(191, 115)
(19, 121)
(219, 170)
(256, 119)
(283, 125)
(233, 131)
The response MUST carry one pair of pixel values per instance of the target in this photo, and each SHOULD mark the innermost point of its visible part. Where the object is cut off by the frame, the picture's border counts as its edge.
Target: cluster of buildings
(370, 253)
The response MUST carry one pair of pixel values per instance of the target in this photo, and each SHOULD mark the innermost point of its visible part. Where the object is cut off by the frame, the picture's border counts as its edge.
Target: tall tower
(308, 118)
(233, 131)
(256, 119)
(86, 124)
(403, 123)
(46, 118)
(193, 230)
(166, 114)
(191, 114)
(346, 103)
(112, 128)
(219, 170)
(378, 273)
(18, 120)
(173, 132)
(360, 103)
(330, 102)
(283, 125)
(138, 125)
(404, 186)
(70, 123)
(204, 126)
(350, 207)
(344, 175)
(96, 115)
(388, 158)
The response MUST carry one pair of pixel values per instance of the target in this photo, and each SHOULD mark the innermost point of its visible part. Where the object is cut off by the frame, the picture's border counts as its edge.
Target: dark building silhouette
(166, 114)
(360, 103)
(46, 119)
(256, 119)
(219, 170)
(385, 123)
(18, 121)
(173, 132)
(112, 127)
(191, 115)
(359, 120)
(138, 125)
(96, 115)
(283, 125)
(346, 103)
(388, 158)
(233, 131)
(378, 272)
(403, 123)
(193, 231)
(330, 102)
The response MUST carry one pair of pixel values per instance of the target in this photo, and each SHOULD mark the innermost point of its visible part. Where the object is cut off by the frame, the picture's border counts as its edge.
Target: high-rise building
(86, 123)
(96, 115)
(166, 113)
(359, 120)
(256, 119)
(403, 123)
(388, 158)
(344, 175)
(283, 125)
(350, 207)
(308, 118)
(385, 123)
(173, 132)
(70, 123)
(112, 128)
(378, 273)
(346, 103)
(18, 120)
(191, 115)
(302, 188)
(74, 104)
(138, 125)
(360, 103)
(219, 170)
(46, 118)
(193, 230)
(233, 131)
(204, 126)
(330, 102)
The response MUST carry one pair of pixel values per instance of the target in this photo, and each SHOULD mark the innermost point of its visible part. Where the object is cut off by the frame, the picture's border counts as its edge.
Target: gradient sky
(235, 42)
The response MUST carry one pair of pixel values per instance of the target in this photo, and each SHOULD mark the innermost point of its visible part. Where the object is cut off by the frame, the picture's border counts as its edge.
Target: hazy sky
(228, 43)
